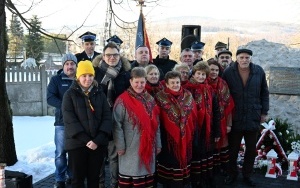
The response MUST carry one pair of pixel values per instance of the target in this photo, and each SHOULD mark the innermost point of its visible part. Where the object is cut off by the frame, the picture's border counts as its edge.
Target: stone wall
(26, 89)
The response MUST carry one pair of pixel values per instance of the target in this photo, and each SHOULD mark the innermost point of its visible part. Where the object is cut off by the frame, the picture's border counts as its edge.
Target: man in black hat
(88, 44)
(162, 60)
(225, 60)
(220, 46)
(198, 49)
(115, 39)
(248, 87)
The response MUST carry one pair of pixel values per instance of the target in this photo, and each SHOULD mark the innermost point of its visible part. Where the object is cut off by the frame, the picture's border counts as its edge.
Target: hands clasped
(91, 145)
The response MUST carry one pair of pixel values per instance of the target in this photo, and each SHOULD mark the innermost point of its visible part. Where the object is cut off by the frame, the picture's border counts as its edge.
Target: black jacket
(121, 82)
(82, 56)
(250, 101)
(81, 123)
(165, 65)
(56, 89)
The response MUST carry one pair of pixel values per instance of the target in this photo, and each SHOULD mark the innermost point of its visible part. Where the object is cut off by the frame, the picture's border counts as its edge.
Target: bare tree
(7, 144)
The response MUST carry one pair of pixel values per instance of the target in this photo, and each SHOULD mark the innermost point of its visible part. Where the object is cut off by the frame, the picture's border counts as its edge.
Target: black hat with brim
(88, 36)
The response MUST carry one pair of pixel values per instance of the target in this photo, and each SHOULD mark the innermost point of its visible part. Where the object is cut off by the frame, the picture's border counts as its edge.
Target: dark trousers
(86, 164)
(234, 140)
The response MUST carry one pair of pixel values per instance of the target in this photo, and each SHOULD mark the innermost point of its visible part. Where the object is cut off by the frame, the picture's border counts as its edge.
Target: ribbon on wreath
(278, 169)
(268, 130)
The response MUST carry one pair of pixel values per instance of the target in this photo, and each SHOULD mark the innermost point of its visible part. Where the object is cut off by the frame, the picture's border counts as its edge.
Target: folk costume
(178, 121)
(136, 130)
(207, 130)
(152, 89)
(226, 105)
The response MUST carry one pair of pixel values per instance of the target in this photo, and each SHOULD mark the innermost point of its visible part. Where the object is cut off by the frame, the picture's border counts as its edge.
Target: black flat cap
(225, 52)
(244, 50)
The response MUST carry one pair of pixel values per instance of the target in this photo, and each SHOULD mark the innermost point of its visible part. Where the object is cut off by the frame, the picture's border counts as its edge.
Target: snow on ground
(35, 146)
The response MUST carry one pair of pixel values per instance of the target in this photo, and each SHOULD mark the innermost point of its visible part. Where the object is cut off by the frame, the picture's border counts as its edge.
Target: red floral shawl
(202, 94)
(143, 113)
(152, 89)
(225, 101)
(178, 115)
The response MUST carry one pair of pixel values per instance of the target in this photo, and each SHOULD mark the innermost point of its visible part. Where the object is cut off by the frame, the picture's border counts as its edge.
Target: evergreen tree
(34, 41)
(16, 42)
(55, 46)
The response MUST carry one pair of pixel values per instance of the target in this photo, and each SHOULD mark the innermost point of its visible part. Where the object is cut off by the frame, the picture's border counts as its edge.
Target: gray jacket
(127, 138)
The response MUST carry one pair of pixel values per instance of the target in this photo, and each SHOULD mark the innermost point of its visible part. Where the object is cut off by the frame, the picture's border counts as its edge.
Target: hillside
(273, 31)
(214, 25)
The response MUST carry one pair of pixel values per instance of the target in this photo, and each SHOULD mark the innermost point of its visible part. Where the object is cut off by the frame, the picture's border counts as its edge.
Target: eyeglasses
(112, 55)
(184, 72)
(224, 57)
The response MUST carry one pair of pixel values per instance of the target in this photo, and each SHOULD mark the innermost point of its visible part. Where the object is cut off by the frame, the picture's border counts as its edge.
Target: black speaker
(191, 30)
(190, 34)
(187, 41)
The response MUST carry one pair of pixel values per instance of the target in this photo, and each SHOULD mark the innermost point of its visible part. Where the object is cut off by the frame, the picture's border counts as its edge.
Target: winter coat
(121, 82)
(251, 101)
(56, 89)
(165, 65)
(82, 124)
(127, 137)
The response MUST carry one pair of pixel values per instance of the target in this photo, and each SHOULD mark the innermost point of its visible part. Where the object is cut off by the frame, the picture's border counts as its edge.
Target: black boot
(229, 180)
(194, 184)
(248, 181)
(211, 183)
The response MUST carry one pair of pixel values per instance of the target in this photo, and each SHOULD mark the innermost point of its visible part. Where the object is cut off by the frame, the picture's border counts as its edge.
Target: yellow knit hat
(85, 67)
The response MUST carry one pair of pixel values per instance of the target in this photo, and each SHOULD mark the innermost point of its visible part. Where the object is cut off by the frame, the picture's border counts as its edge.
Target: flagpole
(141, 3)
(142, 37)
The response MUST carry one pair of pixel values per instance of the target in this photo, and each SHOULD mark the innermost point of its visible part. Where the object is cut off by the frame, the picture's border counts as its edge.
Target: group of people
(156, 122)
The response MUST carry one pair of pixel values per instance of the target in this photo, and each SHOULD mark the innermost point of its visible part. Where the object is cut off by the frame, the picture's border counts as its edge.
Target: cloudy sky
(56, 13)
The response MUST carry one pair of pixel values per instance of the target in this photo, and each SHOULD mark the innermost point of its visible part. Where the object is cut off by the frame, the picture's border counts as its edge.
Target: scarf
(202, 94)
(86, 93)
(225, 101)
(110, 74)
(178, 118)
(152, 89)
(143, 113)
